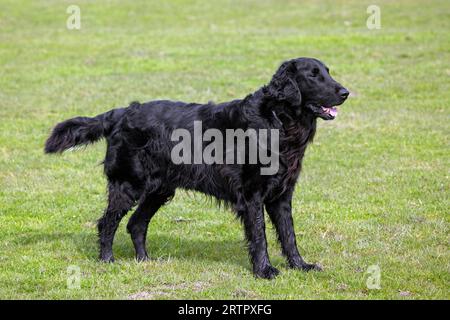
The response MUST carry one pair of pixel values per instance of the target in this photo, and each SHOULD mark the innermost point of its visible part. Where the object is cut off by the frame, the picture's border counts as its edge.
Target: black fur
(140, 171)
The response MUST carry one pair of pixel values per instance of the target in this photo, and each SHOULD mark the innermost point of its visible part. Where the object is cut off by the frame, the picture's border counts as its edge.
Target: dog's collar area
(276, 118)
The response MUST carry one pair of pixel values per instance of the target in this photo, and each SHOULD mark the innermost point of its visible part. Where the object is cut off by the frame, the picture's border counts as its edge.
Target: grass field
(375, 186)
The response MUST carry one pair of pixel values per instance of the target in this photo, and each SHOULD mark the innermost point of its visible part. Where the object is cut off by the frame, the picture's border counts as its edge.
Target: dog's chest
(293, 143)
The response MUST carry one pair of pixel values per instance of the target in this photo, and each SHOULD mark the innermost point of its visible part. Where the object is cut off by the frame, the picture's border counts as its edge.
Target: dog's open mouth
(326, 113)
(330, 111)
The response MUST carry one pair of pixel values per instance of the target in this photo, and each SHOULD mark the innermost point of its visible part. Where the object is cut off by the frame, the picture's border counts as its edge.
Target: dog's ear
(283, 86)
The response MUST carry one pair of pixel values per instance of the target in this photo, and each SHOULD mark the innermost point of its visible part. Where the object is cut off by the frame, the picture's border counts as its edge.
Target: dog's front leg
(280, 213)
(251, 212)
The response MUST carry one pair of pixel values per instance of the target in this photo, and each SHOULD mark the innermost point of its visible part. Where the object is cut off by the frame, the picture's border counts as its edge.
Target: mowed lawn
(373, 193)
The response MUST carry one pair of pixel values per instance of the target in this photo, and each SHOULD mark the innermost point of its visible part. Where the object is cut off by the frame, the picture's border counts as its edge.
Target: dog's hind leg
(138, 223)
(120, 201)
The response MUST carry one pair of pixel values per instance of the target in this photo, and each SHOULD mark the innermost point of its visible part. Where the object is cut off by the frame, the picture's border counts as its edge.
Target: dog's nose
(344, 93)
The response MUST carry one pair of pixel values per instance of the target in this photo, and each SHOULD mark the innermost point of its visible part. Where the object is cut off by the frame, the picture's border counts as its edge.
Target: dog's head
(306, 85)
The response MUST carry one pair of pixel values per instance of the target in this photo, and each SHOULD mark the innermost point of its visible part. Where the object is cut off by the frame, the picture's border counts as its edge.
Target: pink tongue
(333, 111)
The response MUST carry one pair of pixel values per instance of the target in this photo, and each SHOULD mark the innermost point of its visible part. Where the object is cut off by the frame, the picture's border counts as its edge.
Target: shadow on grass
(167, 246)
(159, 246)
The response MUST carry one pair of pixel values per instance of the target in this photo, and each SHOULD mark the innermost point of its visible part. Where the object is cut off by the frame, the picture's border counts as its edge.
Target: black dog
(140, 171)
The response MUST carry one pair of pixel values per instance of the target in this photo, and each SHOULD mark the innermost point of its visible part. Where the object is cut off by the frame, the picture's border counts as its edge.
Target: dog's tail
(81, 131)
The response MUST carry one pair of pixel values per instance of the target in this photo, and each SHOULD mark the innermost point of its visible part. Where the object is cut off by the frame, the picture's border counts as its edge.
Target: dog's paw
(142, 258)
(267, 272)
(107, 259)
(308, 267)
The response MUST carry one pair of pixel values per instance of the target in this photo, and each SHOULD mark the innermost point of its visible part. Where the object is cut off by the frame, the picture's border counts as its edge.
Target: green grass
(375, 184)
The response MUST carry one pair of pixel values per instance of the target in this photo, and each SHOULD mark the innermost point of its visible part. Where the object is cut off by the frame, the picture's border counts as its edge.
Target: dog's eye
(314, 72)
